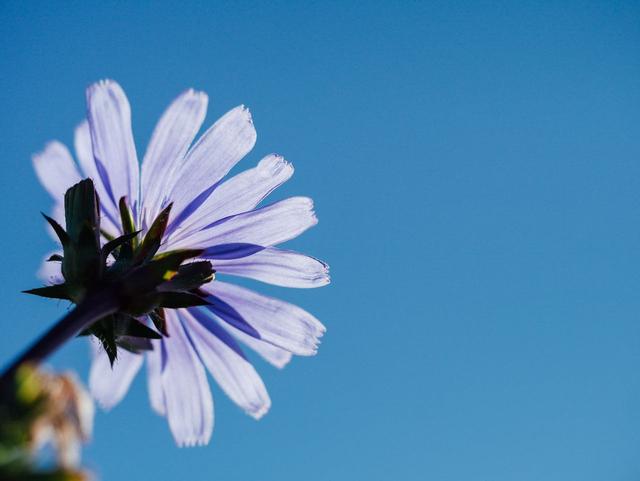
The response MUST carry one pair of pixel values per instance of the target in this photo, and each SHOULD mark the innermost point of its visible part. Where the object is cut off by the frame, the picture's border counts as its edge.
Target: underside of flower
(159, 273)
(144, 281)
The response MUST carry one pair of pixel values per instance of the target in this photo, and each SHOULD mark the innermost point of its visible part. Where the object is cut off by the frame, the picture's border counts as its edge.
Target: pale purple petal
(279, 267)
(239, 194)
(171, 138)
(226, 363)
(50, 272)
(273, 355)
(212, 156)
(265, 227)
(276, 322)
(154, 382)
(114, 151)
(187, 397)
(109, 385)
(84, 152)
(56, 170)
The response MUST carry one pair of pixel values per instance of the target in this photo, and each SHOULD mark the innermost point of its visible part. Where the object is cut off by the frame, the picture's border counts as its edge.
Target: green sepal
(126, 216)
(113, 244)
(135, 345)
(189, 277)
(130, 326)
(57, 228)
(82, 211)
(57, 291)
(159, 320)
(103, 330)
(153, 238)
(175, 300)
(82, 262)
(106, 235)
(161, 269)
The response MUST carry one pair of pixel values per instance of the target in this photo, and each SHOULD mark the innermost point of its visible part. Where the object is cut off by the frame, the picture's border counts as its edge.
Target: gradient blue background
(476, 172)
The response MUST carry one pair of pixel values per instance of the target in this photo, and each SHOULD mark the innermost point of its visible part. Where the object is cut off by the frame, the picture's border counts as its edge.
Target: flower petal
(56, 170)
(84, 152)
(154, 383)
(273, 355)
(171, 138)
(265, 227)
(239, 194)
(187, 397)
(211, 158)
(277, 266)
(276, 322)
(225, 361)
(109, 385)
(114, 151)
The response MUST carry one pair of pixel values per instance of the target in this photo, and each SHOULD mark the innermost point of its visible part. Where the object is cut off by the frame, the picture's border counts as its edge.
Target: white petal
(226, 363)
(212, 156)
(277, 266)
(154, 382)
(171, 138)
(266, 226)
(114, 151)
(277, 322)
(56, 170)
(187, 397)
(109, 385)
(110, 218)
(275, 356)
(239, 194)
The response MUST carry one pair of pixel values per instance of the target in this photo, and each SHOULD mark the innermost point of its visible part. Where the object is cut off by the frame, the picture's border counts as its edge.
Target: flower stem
(91, 309)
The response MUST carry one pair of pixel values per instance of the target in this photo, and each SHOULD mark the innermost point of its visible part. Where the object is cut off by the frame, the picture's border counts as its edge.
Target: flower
(219, 216)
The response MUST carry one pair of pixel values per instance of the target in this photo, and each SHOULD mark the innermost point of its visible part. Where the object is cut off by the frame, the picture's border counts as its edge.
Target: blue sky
(475, 171)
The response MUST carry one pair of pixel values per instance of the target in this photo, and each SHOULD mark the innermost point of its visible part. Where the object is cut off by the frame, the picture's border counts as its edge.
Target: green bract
(143, 281)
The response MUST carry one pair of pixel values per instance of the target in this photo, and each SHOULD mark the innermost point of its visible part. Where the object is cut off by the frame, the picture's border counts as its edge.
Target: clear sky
(476, 173)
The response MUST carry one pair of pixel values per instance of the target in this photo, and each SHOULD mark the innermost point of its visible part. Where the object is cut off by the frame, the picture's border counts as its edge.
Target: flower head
(182, 183)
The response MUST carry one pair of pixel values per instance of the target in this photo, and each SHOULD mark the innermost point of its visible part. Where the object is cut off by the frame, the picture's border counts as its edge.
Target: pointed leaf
(130, 326)
(153, 238)
(135, 345)
(161, 269)
(81, 209)
(108, 340)
(189, 277)
(175, 300)
(159, 320)
(57, 291)
(117, 242)
(57, 228)
(126, 217)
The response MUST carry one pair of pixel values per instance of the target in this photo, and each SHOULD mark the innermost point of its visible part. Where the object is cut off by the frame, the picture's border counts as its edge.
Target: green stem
(91, 309)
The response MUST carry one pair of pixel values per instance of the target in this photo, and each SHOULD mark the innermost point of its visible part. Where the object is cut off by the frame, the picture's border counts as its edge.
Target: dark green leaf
(189, 276)
(161, 269)
(153, 238)
(175, 300)
(118, 242)
(108, 340)
(130, 326)
(57, 291)
(158, 319)
(57, 228)
(81, 209)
